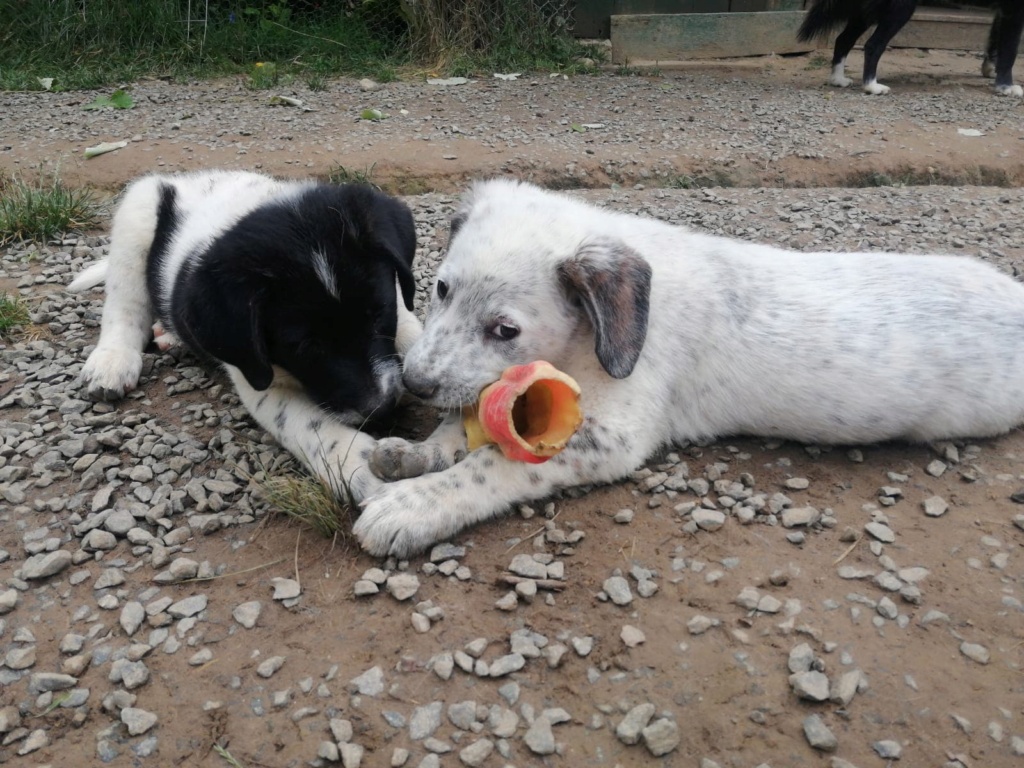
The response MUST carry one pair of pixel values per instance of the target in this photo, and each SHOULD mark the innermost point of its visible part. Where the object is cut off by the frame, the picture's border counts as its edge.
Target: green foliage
(119, 99)
(98, 43)
(42, 209)
(13, 314)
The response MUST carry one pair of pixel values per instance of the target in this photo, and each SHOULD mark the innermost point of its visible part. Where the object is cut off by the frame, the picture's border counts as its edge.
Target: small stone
(881, 532)
(370, 683)
(190, 606)
(270, 666)
(36, 740)
(700, 624)
(801, 657)
(888, 749)
(539, 737)
(10, 718)
(935, 506)
(425, 720)
(41, 682)
(583, 645)
(506, 665)
(399, 757)
(45, 564)
(402, 586)
(617, 589)
(811, 685)
(936, 468)
(661, 737)
(631, 636)
(341, 729)
(623, 516)
(818, 734)
(799, 516)
(708, 519)
(844, 689)
(526, 565)
(769, 604)
(328, 750)
(365, 588)
(132, 616)
(630, 727)
(199, 658)
(508, 602)
(20, 658)
(138, 720)
(351, 754)
(247, 614)
(286, 589)
(475, 754)
(975, 652)
(797, 483)
(8, 601)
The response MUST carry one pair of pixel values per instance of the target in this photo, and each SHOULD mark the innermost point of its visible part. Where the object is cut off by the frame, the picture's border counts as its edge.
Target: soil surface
(898, 612)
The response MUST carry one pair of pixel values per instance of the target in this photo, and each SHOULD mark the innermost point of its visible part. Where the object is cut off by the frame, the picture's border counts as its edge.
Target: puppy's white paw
(1010, 90)
(397, 459)
(110, 372)
(397, 520)
(875, 88)
(840, 81)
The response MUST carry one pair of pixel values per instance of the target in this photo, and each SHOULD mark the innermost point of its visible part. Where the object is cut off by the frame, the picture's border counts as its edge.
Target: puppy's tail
(90, 277)
(825, 15)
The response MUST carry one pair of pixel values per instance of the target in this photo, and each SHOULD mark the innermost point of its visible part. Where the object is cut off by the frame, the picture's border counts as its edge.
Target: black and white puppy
(291, 285)
(888, 17)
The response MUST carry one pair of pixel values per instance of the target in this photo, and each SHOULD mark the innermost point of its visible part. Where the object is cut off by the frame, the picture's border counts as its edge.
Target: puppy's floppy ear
(223, 320)
(396, 234)
(613, 283)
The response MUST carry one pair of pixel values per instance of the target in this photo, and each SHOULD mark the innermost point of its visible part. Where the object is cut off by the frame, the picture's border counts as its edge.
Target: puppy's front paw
(398, 521)
(398, 459)
(110, 372)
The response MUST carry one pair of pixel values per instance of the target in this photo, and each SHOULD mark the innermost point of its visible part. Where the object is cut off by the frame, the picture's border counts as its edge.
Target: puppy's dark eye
(442, 289)
(504, 331)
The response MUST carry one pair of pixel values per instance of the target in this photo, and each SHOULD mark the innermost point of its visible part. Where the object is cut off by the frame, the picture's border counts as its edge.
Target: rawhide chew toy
(529, 413)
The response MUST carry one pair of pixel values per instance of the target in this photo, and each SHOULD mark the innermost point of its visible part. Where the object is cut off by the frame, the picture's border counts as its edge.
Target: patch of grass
(818, 61)
(310, 501)
(342, 175)
(908, 176)
(13, 314)
(227, 756)
(44, 208)
(716, 178)
(263, 75)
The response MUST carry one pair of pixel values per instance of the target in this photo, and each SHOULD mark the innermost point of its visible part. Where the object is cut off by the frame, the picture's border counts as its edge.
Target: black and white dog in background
(889, 17)
(291, 285)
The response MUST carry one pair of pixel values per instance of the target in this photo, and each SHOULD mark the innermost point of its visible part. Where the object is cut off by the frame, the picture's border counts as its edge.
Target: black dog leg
(896, 16)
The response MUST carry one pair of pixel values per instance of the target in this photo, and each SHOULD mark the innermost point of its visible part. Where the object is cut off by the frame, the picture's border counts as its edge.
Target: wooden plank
(676, 37)
(592, 18)
(662, 7)
(945, 31)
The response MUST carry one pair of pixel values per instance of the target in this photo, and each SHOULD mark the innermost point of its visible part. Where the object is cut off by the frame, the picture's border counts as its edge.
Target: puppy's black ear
(396, 234)
(223, 320)
(613, 283)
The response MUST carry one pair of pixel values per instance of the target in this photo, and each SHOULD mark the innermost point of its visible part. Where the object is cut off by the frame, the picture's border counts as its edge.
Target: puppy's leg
(395, 458)
(114, 366)
(407, 516)
(164, 339)
(336, 453)
(899, 14)
(844, 44)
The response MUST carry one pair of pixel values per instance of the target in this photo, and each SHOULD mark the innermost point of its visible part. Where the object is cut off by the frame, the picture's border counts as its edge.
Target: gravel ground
(744, 603)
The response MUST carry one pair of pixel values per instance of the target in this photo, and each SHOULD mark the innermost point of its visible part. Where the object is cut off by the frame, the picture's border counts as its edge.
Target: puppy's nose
(419, 386)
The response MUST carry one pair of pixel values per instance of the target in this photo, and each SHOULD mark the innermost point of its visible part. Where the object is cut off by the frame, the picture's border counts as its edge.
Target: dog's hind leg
(844, 44)
(896, 18)
(1003, 43)
(114, 366)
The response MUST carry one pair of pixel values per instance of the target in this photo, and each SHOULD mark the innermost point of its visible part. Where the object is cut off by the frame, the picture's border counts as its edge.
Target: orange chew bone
(529, 413)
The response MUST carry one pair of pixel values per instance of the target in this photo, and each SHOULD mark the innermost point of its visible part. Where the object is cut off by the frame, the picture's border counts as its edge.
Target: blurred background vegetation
(94, 43)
